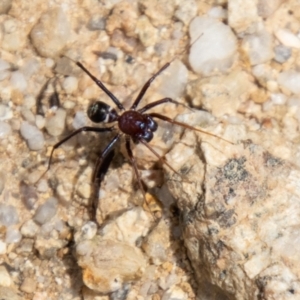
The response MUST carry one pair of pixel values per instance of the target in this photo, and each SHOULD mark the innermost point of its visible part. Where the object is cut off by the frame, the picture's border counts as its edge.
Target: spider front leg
(159, 102)
(146, 86)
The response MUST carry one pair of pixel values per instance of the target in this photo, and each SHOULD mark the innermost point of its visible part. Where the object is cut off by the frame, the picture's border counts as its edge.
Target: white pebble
(55, 125)
(282, 53)
(287, 38)
(33, 136)
(3, 247)
(28, 115)
(29, 229)
(70, 84)
(5, 112)
(12, 236)
(4, 65)
(4, 69)
(88, 231)
(84, 190)
(49, 62)
(8, 215)
(42, 186)
(278, 98)
(52, 33)
(18, 81)
(217, 12)
(259, 47)
(174, 293)
(290, 80)
(46, 211)
(30, 67)
(5, 279)
(14, 35)
(40, 121)
(5, 129)
(215, 48)
(79, 120)
(174, 80)
(29, 101)
(37, 142)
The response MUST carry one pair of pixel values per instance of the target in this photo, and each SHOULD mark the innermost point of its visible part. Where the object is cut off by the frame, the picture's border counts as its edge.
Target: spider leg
(101, 85)
(162, 159)
(133, 162)
(159, 102)
(101, 167)
(86, 128)
(146, 86)
(164, 118)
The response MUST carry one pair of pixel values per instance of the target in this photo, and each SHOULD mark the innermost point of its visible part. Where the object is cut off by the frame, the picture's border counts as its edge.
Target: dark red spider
(134, 123)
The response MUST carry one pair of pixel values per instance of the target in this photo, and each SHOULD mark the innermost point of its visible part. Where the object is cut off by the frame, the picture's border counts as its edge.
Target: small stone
(33, 136)
(55, 125)
(175, 293)
(282, 53)
(88, 231)
(46, 211)
(28, 115)
(128, 227)
(159, 12)
(215, 48)
(28, 285)
(84, 190)
(29, 229)
(70, 84)
(29, 101)
(4, 69)
(52, 33)
(12, 235)
(108, 265)
(96, 22)
(5, 130)
(3, 248)
(290, 81)
(157, 243)
(5, 112)
(8, 293)
(5, 279)
(40, 121)
(287, 38)
(80, 120)
(242, 15)
(14, 37)
(217, 12)
(8, 215)
(258, 47)
(174, 80)
(28, 194)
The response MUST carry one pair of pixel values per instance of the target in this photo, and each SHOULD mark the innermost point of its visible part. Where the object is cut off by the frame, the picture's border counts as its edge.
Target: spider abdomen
(137, 125)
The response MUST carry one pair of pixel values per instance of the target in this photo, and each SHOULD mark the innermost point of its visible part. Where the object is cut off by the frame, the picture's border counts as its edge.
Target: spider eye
(98, 112)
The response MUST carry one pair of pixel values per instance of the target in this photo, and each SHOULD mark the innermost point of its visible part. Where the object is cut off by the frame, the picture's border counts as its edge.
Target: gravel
(242, 72)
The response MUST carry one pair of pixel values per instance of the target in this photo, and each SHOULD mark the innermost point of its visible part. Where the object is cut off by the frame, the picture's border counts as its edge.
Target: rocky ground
(225, 224)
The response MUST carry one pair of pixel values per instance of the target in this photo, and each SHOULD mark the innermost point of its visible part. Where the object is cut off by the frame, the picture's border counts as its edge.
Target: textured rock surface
(235, 207)
(241, 221)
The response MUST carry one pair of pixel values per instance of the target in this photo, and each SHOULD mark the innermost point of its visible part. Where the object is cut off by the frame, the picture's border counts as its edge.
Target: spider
(137, 126)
